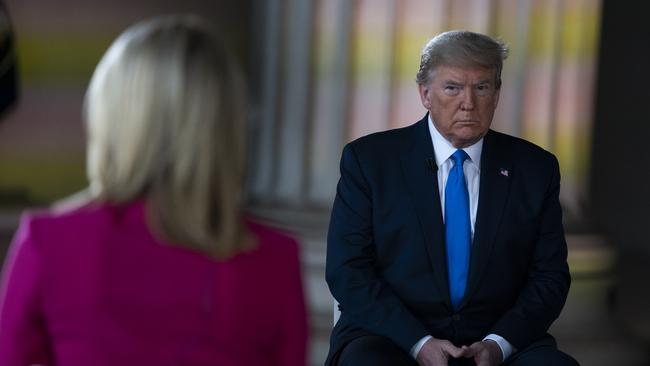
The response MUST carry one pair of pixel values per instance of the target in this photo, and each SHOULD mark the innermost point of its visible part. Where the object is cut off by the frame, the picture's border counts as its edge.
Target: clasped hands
(436, 352)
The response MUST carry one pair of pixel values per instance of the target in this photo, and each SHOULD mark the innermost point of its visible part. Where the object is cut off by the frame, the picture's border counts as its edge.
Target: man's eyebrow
(459, 83)
(485, 81)
(453, 82)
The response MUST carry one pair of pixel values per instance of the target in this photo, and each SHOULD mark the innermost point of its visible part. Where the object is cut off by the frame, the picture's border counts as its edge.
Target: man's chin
(465, 140)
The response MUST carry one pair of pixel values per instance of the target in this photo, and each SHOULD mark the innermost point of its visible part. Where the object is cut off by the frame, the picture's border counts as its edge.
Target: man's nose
(468, 98)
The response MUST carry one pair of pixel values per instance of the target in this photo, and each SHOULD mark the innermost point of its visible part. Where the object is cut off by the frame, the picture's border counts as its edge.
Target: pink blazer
(92, 286)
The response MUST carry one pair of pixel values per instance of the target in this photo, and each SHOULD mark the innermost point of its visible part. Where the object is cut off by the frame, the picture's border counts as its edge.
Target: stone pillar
(299, 123)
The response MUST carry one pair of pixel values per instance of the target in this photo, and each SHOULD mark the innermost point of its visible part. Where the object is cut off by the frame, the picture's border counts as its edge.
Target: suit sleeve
(546, 288)
(293, 342)
(366, 300)
(23, 337)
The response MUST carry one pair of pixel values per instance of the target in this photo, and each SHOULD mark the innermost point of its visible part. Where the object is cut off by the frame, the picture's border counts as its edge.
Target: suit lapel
(496, 174)
(419, 167)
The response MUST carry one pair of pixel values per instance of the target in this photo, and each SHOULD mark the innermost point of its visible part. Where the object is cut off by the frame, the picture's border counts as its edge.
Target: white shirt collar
(444, 149)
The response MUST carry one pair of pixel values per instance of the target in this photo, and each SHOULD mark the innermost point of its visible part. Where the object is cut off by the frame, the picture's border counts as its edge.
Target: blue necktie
(457, 228)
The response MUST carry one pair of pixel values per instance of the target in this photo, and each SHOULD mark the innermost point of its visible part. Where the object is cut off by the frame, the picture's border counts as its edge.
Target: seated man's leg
(373, 350)
(541, 353)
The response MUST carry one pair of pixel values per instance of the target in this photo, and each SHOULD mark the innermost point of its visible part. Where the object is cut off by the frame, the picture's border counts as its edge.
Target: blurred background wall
(323, 72)
(59, 44)
(620, 174)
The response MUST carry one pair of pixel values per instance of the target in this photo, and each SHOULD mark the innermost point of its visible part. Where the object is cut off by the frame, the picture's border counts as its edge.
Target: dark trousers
(380, 351)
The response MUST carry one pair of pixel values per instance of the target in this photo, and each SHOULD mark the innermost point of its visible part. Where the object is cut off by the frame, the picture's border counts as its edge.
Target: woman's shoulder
(277, 255)
(77, 215)
(271, 238)
(57, 216)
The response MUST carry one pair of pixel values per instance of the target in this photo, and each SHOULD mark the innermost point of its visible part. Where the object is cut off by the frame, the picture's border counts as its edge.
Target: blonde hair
(461, 48)
(165, 120)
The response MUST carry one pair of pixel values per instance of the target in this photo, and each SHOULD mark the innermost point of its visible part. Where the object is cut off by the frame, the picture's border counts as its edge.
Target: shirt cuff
(418, 346)
(506, 348)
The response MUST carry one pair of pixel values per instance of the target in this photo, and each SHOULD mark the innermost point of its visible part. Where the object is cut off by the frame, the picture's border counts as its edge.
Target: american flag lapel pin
(504, 172)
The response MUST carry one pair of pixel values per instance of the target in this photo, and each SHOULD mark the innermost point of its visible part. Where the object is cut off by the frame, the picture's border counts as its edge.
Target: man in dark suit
(446, 244)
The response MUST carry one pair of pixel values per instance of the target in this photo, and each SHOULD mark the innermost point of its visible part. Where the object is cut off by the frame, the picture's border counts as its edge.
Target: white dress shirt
(472, 168)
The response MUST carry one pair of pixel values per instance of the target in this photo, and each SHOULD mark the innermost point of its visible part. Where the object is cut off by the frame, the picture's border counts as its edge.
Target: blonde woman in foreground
(158, 266)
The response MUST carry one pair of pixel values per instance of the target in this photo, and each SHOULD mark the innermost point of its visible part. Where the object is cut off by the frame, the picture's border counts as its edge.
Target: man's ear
(425, 95)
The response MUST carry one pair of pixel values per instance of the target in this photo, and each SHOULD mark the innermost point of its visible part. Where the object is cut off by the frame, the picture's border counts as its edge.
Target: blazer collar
(419, 167)
(496, 177)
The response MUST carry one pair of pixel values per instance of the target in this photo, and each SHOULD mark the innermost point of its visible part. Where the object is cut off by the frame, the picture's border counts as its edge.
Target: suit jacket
(93, 286)
(386, 261)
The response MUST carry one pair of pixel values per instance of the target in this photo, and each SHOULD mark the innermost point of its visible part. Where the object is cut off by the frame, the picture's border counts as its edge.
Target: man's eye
(482, 89)
(451, 90)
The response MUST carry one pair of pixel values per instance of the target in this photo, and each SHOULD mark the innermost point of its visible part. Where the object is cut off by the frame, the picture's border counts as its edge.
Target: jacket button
(455, 317)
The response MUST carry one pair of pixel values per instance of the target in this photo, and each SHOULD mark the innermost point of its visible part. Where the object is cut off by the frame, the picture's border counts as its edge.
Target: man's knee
(542, 356)
(373, 350)
(560, 358)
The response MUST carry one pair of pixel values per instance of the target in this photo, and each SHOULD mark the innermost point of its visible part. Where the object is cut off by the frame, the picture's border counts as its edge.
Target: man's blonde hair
(461, 48)
(165, 119)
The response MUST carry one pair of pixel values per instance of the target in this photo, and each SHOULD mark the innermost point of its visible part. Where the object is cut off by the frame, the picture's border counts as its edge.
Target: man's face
(461, 102)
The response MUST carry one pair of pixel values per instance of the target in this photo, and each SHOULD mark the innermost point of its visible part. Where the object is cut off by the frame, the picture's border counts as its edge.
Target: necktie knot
(459, 157)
